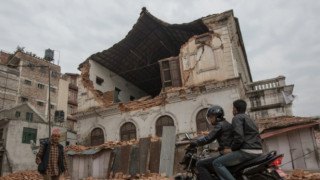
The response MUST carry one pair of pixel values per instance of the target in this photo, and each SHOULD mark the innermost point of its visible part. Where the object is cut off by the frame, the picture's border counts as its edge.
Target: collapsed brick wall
(106, 98)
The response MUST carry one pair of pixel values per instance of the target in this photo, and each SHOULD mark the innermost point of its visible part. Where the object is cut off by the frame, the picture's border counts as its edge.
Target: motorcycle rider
(246, 144)
(222, 132)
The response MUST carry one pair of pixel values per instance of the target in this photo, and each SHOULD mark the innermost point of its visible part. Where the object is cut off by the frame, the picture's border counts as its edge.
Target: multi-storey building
(26, 78)
(32, 93)
(164, 74)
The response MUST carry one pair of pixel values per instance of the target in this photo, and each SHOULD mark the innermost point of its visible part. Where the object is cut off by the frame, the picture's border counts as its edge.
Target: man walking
(51, 159)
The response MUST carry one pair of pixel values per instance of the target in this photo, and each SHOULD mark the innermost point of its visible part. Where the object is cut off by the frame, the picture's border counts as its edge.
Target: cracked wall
(204, 61)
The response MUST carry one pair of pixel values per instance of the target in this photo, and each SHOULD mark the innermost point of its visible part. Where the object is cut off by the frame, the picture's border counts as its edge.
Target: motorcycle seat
(252, 162)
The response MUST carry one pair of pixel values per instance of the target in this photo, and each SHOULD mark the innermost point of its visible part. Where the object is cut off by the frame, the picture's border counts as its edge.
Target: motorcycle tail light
(276, 162)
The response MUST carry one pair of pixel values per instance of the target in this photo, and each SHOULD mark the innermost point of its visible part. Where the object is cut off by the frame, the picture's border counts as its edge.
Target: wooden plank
(75, 168)
(81, 167)
(90, 165)
(308, 148)
(116, 162)
(85, 168)
(155, 148)
(124, 160)
(134, 160)
(144, 145)
(296, 149)
(179, 154)
(106, 163)
(95, 166)
(101, 164)
(111, 162)
(167, 150)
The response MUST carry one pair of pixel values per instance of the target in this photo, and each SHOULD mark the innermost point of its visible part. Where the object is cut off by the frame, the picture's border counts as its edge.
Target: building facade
(168, 75)
(26, 78)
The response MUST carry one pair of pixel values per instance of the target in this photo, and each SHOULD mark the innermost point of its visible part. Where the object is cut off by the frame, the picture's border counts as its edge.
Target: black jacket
(222, 131)
(245, 132)
(42, 167)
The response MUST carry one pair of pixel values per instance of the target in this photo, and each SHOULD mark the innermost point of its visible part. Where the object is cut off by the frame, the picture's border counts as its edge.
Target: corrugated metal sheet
(87, 152)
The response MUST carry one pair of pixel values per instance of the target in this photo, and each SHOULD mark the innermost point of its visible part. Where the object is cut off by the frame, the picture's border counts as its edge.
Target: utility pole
(49, 104)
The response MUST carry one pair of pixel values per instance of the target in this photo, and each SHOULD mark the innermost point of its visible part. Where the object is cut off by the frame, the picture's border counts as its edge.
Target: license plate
(281, 173)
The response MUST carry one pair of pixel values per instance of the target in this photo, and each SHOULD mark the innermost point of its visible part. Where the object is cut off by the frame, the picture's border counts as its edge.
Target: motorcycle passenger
(246, 144)
(222, 132)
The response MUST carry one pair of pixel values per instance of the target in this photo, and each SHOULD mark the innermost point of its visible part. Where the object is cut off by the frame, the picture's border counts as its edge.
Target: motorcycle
(264, 167)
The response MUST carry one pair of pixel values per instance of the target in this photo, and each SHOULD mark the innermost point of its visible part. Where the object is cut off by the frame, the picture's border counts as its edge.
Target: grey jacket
(222, 131)
(245, 132)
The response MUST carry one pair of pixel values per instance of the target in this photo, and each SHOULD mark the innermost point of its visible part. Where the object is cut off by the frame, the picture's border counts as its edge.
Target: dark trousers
(204, 167)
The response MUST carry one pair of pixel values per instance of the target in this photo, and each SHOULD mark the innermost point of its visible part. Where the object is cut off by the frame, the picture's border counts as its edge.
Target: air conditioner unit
(59, 116)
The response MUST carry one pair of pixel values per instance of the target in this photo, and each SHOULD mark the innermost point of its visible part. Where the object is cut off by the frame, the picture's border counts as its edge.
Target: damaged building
(165, 74)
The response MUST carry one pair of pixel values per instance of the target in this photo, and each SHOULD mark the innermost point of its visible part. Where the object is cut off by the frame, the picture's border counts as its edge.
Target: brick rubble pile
(25, 175)
(106, 145)
(298, 174)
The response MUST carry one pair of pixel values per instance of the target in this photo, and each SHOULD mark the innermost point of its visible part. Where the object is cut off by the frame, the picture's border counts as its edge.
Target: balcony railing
(266, 84)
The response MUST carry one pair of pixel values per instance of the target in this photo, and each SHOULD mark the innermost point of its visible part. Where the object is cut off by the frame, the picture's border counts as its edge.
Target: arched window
(97, 137)
(128, 131)
(163, 121)
(202, 124)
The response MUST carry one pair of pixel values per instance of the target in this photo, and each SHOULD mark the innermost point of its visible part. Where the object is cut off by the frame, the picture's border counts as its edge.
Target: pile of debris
(121, 176)
(26, 175)
(106, 145)
(301, 174)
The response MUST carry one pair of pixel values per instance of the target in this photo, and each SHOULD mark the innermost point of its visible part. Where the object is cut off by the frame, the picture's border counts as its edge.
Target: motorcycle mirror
(187, 136)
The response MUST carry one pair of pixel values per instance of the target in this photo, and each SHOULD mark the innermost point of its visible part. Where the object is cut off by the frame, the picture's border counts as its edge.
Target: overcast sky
(281, 37)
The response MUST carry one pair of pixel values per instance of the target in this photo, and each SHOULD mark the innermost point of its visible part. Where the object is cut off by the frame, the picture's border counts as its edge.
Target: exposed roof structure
(135, 58)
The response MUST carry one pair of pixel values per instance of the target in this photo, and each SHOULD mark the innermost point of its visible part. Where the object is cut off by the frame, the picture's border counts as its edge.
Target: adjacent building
(32, 93)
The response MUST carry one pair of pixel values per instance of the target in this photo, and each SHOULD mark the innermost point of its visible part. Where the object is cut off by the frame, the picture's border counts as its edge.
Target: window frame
(200, 119)
(159, 125)
(128, 134)
(40, 86)
(17, 114)
(27, 82)
(29, 116)
(26, 133)
(97, 139)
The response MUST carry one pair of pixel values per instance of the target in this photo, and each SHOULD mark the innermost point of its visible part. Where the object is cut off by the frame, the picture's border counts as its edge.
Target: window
(29, 116)
(31, 66)
(170, 73)
(131, 98)
(39, 103)
(24, 99)
(73, 81)
(116, 95)
(43, 69)
(54, 73)
(17, 114)
(202, 39)
(201, 120)
(40, 86)
(97, 137)
(83, 94)
(27, 82)
(28, 135)
(72, 95)
(52, 89)
(99, 80)
(51, 106)
(128, 131)
(71, 109)
(163, 121)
